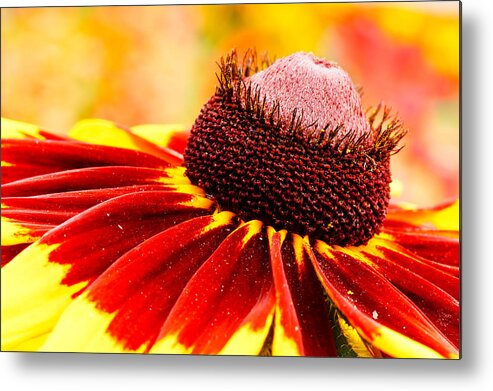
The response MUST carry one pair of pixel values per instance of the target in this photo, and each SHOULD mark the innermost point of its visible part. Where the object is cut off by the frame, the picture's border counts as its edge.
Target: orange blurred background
(157, 64)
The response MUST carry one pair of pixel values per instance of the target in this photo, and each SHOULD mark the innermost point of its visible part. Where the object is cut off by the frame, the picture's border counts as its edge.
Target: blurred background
(157, 64)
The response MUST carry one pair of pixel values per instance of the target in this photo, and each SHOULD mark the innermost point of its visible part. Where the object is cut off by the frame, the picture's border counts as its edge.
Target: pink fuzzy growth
(320, 89)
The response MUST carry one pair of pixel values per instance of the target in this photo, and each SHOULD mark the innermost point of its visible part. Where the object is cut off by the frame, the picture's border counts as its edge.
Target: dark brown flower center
(329, 183)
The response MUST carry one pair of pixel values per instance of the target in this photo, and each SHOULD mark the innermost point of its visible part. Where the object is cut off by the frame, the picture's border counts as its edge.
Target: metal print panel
(258, 179)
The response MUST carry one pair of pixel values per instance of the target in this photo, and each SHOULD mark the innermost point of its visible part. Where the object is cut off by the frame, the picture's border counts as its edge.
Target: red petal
(302, 324)
(74, 202)
(33, 218)
(444, 277)
(29, 157)
(434, 292)
(436, 246)
(178, 142)
(227, 306)
(9, 252)
(93, 178)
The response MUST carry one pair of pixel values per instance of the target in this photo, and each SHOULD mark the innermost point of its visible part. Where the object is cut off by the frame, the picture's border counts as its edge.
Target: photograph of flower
(243, 179)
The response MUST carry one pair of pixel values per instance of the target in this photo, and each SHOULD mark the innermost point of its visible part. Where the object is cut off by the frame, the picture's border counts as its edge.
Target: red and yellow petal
(444, 217)
(228, 305)
(302, 324)
(15, 231)
(172, 136)
(102, 132)
(124, 309)
(44, 278)
(438, 247)
(11, 129)
(433, 291)
(18, 234)
(380, 312)
(32, 296)
(442, 275)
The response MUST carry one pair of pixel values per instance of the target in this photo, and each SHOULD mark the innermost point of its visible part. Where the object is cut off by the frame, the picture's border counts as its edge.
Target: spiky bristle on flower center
(291, 146)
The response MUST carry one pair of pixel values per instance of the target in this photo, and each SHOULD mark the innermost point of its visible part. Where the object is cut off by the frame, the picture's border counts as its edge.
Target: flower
(266, 232)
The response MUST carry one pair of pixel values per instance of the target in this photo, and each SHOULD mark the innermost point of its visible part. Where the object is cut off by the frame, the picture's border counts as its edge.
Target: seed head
(320, 91)
(290, 145)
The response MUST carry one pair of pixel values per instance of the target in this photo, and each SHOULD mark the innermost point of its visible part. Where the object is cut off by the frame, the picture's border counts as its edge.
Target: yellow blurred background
(157, 64)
